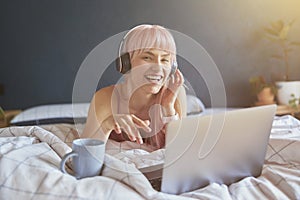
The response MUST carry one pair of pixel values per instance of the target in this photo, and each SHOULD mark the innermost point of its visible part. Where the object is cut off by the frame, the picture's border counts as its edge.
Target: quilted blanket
(30, 158)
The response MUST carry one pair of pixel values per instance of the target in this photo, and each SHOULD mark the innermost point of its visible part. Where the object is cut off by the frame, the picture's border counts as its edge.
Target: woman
(150, 96)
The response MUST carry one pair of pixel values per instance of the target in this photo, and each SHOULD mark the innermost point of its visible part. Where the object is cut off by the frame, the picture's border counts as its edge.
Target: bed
(31, 151)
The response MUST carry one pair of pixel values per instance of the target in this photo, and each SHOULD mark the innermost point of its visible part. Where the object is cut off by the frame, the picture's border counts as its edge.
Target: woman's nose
(156, 66)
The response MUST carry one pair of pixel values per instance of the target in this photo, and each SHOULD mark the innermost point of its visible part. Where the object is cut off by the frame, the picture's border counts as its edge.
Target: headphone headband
(123, 61)
(126, 35)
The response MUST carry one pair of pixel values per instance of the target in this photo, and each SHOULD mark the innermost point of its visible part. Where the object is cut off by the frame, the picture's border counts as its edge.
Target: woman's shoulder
(105, 92)
(103, 96)
(105, 99)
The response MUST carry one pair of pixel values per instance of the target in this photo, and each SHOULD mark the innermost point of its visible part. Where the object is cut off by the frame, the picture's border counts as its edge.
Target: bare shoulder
(99, 110)
(101, 102)
(104, 93)
(103, 97)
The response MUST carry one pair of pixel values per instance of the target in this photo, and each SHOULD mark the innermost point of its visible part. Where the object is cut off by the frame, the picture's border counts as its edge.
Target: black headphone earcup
(123, 63)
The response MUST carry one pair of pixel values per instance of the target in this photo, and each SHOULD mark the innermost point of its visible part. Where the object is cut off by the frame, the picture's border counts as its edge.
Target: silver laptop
(222, 148)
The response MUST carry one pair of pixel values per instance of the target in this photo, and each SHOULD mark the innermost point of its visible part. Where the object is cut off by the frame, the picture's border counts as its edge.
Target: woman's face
(150, 69)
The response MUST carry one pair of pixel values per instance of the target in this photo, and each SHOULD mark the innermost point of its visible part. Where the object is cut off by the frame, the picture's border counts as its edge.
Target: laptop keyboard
(156, 183)
(154, 175)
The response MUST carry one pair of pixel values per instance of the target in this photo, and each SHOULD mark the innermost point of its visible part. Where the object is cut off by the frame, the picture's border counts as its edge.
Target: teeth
(153, 77)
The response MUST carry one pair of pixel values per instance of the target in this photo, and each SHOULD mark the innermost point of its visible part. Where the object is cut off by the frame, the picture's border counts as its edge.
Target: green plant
(258, 83)
(278, 33)
(2, 114)
(294, 103)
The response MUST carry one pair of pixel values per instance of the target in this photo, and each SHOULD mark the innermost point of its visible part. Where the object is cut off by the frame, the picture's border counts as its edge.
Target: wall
(43, 43)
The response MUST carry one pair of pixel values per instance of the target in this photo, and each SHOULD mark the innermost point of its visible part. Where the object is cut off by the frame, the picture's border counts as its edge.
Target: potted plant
(264, 91)
(294, 104)
(277, 32)
(2, 117)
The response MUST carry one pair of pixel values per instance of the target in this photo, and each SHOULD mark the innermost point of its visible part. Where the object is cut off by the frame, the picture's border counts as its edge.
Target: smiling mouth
(154, 78)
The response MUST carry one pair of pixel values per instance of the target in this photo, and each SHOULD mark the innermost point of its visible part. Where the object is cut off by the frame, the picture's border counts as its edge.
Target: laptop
(216, 148)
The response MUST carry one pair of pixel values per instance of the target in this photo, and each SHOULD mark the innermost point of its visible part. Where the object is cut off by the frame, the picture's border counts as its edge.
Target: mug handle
(64, 160)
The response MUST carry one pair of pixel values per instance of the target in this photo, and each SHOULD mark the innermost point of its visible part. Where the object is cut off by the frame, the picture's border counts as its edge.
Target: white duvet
(30, 157)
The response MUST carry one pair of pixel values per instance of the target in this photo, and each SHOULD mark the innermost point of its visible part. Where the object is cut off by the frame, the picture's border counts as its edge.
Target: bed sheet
(30, 157)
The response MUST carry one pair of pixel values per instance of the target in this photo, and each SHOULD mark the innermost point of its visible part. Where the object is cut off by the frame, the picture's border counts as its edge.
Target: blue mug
(87, 158)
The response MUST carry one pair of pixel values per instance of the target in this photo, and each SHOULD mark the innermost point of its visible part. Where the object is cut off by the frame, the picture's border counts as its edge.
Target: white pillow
(49, 114)
(194, 105)
(68, 113)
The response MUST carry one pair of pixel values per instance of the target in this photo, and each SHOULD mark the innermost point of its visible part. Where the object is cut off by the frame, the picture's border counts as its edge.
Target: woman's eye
(146, 58)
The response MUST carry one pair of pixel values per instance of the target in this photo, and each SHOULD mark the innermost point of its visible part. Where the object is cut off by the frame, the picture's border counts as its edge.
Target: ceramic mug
(87, 157)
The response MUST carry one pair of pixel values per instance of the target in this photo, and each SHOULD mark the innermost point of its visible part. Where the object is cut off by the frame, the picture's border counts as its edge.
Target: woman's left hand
(169, 92)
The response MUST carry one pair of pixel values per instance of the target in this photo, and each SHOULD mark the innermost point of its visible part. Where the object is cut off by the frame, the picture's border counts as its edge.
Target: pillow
(77, 112)
(194, 105)
(50, 114)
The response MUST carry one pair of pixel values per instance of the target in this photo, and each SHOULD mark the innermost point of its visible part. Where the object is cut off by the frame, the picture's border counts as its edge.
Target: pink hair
(147, 36)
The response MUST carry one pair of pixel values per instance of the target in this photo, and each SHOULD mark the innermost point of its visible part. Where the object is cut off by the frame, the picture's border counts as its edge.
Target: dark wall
(44, 42)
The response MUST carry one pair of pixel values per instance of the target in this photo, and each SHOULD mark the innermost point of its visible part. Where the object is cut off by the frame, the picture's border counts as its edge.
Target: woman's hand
(169, 92)
(129, 123)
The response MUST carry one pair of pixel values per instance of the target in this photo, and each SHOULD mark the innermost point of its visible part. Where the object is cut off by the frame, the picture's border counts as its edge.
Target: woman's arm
(102, 120)
(181, 104)
(99, 110)
(173, 97)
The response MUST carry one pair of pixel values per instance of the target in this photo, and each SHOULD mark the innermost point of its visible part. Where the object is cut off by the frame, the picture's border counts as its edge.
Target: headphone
(123, 64)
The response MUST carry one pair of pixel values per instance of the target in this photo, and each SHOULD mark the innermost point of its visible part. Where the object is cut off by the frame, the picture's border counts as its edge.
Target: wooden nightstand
(9, 114)
(286, 110)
